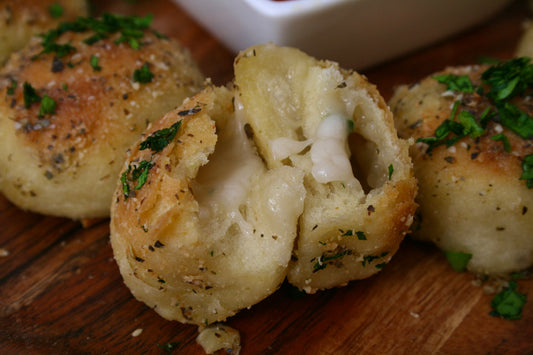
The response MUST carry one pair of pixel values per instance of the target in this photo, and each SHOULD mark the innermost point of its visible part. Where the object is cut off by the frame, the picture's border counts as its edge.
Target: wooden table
(61, 292)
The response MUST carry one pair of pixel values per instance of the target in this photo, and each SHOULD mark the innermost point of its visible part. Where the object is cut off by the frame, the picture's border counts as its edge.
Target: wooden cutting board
(61, 292)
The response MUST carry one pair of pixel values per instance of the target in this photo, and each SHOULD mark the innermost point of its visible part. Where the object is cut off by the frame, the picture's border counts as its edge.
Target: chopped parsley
(30, 94)
(161, 138)
(48, 106)
(169, 347)
(391, 171)
(11, 88)
(458, 260)
(509, 302)
(131, 29)
(367, 259)
(135, 173)
(505, 80)
(527, 170)
(55, 10)
(94, 63)
(454, 82)
(324, 259)
(143, 75)
(502, 138)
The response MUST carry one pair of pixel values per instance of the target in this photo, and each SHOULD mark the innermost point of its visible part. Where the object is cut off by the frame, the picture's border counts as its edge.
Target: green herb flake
(508, 79)
(509, 302)
(135, 173)
(11, 88)
(516, 120)
(360, 235)
(30, 94)
(64, 86)
(94, 63)
(454, 82)
(502, 138)
(161, 138)
(380, 266)
(55, 10)
(458, 260)
(470, 125)
(323, 260)
(391, 171)
(527, 170)
(143, 75)
(169, 347)
(48, 106)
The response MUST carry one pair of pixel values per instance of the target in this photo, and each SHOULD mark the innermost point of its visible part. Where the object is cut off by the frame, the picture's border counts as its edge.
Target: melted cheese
(329, 153)
(223, 184)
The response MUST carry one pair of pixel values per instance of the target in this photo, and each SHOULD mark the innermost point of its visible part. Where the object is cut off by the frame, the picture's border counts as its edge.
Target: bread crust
(471, 198)
(20, 20)
(66, 163)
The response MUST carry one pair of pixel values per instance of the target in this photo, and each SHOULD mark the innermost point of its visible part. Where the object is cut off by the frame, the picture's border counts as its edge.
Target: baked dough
(334, 126)
(471, 198)
(211, 230)
(66, 163)
(210, 222)
(22, 19)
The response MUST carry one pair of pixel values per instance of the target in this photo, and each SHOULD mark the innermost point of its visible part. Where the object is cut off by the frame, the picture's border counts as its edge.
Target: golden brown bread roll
(471, 195)
(22, 19)
(205, 220)
(69, 109)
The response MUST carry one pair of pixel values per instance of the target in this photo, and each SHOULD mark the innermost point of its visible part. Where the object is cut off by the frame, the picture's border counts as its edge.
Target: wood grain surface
(61, 292)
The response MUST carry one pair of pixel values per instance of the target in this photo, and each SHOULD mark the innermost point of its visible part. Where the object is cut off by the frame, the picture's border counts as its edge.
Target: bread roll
(22, 19)
(65, 160)
(334, 126)
(211, 230)
(208, 220)
(471, 197)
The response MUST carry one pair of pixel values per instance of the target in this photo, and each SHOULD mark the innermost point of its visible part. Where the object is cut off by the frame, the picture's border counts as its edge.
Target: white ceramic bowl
(356, 33)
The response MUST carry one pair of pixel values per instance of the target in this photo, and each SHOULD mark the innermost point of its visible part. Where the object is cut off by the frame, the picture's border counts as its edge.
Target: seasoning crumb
(137, 332)
(4, 252)
(414, 315)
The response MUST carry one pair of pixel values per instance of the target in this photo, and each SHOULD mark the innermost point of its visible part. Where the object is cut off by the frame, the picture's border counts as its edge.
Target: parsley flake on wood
(161, 138)
(169, 347)
(55, 10)
(458, 260)
(143, 75)
(509, 302)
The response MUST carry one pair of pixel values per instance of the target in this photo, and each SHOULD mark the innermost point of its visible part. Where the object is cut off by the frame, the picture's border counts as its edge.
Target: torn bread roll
(206, 221)
(72, 102)
(211, 229)
(469, 163)
(334, 126)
